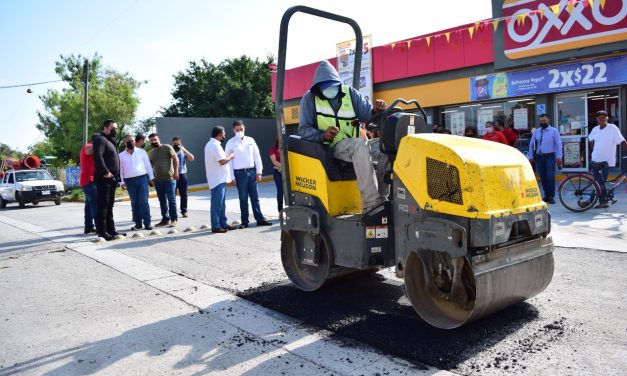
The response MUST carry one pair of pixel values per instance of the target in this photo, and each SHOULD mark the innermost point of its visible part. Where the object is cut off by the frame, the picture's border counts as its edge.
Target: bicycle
(580, 191)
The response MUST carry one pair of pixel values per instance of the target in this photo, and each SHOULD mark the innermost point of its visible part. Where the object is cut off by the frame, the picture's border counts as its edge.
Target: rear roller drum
(309, 277)
(305, 277)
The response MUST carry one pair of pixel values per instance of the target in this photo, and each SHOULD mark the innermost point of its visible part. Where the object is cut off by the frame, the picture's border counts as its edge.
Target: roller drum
(495, 281)
(313, 277)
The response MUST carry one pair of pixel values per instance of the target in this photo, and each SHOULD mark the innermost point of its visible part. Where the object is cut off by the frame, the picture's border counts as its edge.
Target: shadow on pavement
(374, 311)
(193, 337)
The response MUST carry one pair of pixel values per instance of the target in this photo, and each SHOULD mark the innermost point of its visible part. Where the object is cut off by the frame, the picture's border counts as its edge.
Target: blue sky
(154, 39)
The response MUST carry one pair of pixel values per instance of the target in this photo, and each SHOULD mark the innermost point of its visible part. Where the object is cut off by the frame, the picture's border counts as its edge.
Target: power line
(31, 84)
(109, 24)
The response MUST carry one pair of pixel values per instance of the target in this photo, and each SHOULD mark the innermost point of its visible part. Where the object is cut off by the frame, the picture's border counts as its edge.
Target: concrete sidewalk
(63, 314)
(604, 229)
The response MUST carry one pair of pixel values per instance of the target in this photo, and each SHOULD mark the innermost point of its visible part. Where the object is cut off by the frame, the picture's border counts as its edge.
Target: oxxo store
(564, 58)
(539, 35)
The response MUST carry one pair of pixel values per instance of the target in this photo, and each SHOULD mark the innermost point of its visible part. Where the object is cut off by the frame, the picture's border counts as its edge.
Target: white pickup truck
(24, 186)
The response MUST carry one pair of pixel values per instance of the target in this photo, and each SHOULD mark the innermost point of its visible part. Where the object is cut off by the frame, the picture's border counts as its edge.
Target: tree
(7, 151)
(234, 88)
(112, 95)
(144, 126)
(41, 149)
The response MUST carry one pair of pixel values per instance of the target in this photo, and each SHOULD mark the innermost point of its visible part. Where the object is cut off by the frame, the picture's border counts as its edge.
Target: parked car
(29, 186)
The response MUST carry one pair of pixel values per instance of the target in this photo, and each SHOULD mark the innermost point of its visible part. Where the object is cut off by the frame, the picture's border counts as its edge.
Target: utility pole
(86, 96)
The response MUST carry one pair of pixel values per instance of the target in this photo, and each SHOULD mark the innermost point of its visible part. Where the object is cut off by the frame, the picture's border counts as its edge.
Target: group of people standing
(103, 167)
(239, 163)
(496, 131)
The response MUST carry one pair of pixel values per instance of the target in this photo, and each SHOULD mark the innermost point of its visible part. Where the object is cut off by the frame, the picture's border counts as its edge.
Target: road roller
(464, 224)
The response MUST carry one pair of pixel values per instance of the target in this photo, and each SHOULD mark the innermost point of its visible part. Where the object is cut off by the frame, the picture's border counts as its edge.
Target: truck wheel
(57, 201)
(19, 200)
(3, 203)
(35, 202)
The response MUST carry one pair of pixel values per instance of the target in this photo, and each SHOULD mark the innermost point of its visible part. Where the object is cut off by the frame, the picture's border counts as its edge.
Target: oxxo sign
(581, 24)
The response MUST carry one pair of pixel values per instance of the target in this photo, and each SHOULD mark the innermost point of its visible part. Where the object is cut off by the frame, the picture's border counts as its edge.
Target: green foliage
(234, 88)
(74, 195)
(111, 96)
(144, 126)
(7, 151)
(41, 149)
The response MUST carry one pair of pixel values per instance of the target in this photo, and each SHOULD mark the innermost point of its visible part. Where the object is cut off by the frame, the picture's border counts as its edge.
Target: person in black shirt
(106, 176)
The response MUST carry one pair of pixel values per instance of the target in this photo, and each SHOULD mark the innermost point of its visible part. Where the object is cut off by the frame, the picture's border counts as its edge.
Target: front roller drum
(492, 282)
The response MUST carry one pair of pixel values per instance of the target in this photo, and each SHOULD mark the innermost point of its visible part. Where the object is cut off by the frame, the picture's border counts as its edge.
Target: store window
(517, 114)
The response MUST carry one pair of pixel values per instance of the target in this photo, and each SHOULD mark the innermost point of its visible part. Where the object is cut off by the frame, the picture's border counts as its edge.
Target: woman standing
(275, 157)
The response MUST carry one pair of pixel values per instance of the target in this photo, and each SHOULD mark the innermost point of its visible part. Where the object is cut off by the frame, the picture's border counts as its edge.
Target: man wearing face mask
(246, 168)
(106, 174)
(135, 174)
(545, 149)
(218, 176)
(181, 185)
(327, 114)
(491, 134)
(165, 164)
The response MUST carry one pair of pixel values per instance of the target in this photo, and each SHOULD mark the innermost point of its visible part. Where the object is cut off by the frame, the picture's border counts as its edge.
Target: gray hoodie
(308, 126)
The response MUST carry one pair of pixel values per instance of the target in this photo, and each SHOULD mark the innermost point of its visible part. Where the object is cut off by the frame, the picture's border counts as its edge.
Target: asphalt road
(577, 326)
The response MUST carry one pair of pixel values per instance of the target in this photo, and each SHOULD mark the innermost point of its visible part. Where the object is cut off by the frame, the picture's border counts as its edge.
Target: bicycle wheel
(578, 193)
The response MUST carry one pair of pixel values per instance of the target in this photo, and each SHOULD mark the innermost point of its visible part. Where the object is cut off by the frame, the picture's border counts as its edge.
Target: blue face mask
(331, 92)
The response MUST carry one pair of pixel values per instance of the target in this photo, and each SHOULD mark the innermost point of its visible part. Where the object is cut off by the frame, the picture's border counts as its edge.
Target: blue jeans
(138, 192)
(247, 187)
(545, 165)
(91, 205)
(167, 199)
(218, 207)
(181, 186)
(278, 181)
(601, 177)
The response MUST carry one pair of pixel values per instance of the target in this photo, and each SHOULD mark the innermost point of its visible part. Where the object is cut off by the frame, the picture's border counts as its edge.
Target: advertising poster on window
(457, 123)
(521, 120)
(484, 115)
(571, 154)
(346, 60)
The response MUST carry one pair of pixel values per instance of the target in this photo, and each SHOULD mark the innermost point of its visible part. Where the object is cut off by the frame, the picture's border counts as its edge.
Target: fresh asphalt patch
(374, 310)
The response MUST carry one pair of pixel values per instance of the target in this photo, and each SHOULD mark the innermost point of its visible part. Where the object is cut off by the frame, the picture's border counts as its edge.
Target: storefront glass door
(572, 123)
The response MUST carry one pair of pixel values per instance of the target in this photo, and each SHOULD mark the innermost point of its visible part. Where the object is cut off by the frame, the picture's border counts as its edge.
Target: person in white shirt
(603, 140)
(218, 175)
(135, 176)
(246, 167)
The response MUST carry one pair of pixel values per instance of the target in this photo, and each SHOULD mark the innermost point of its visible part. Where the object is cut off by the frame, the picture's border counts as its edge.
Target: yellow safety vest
(326, 117)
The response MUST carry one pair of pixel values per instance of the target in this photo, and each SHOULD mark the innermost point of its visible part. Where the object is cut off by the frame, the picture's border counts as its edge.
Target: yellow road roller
(464, 223)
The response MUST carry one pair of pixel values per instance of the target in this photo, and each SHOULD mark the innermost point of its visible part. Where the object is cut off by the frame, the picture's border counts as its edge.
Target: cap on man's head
(601, 112)
(327, 84)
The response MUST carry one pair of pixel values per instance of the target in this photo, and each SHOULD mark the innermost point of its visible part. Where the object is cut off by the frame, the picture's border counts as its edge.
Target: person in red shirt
(86, 182)
(492, 134)
(511, 134)
(275, 157)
